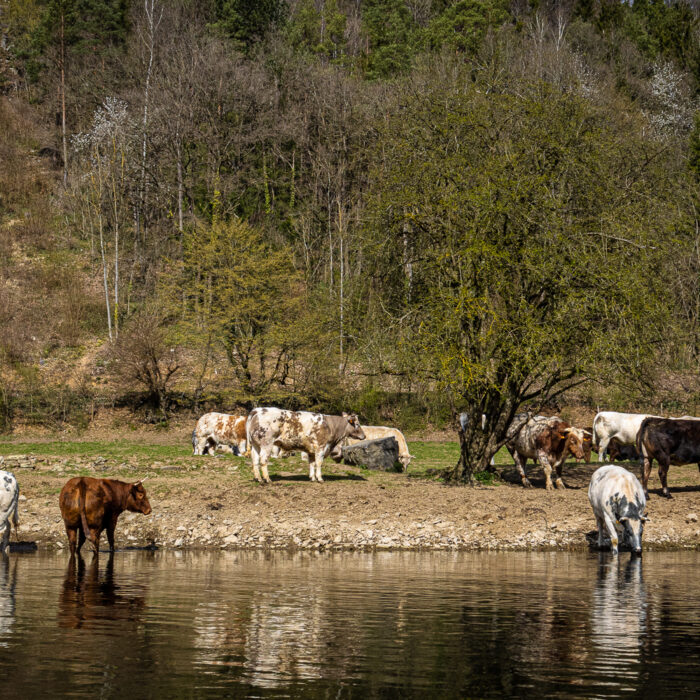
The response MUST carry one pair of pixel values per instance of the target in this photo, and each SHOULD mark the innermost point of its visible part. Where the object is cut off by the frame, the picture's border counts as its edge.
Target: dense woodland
(402, 207)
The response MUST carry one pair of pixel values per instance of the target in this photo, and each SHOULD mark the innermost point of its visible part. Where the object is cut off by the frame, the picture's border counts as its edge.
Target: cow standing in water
(549, 440)
(89, 506)
(9, 497)
(618, 503)
(314, 433)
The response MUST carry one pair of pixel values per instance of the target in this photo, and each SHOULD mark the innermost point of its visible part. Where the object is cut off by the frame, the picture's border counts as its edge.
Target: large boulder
(374, 454)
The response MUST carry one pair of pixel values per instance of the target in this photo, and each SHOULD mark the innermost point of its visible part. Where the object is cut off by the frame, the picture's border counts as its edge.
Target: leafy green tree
(512, 239)
(236, 290)
(319, 30)
(463, 26)
(248, 21)
(392, 37)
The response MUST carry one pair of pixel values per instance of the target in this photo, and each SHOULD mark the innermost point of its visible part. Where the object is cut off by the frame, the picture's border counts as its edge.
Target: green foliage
(319, 30)
(462, 26)
(392, 37)
(248, 21)
(694, 150)
(507, 207)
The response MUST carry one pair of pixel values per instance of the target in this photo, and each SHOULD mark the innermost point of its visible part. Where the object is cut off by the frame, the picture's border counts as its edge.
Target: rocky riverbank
(213, 503)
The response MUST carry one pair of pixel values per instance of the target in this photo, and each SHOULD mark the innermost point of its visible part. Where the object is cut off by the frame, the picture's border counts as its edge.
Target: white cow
(618, 502)
(314, 433)
(9, 499)
(219, 430)
(610, 424)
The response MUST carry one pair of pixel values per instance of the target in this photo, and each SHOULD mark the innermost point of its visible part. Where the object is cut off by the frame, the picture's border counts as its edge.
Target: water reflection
(619, 619)
(386, 624)
(89, 598)
(8, 578)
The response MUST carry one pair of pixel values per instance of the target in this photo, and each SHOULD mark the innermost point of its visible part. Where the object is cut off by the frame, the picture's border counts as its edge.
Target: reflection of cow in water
(619, 620)
(87, 599)
(8, 580)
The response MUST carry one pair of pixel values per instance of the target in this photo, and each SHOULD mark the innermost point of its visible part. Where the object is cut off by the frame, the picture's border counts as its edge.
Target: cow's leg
(241, 447)
(72, 533)
(602, 447)
(663, 474)
(612, 531)
(81, 539)
(5, 541)
(318, 462)
(520, 463)
(559, 482)
(311, 458)
(93, 537)
(110, 532)
(255, 457)
(543, 459)
(600, 522)
(264, 457)
(201, 448)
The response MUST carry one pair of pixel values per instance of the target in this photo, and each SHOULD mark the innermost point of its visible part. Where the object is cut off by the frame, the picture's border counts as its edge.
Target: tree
(513, 236)
(247, 296)
(248, 21)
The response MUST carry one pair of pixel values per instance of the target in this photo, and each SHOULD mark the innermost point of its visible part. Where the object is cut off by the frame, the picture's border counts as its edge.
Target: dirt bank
(213, 503)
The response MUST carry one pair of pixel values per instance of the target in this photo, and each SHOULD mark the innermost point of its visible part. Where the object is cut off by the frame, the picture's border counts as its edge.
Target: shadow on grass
(326, 477)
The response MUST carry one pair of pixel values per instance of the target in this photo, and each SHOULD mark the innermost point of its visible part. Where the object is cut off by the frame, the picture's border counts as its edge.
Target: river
(274, 624)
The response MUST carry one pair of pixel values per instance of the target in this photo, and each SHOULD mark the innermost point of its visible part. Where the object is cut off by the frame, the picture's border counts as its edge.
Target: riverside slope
(205, 502)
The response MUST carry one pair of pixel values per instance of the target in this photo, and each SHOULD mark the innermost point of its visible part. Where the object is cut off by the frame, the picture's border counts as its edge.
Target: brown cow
(587, 444)
(549, 440)
(618, 452)
(89, 506)
(668, 441)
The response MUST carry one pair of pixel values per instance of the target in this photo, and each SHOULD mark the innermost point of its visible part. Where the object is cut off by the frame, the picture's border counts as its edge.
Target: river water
(254, 624)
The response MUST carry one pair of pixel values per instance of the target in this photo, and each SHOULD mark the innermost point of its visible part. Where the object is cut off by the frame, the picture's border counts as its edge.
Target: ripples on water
(178, 624)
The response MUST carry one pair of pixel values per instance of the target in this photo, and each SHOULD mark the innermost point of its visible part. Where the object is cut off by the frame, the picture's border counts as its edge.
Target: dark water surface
(189, 625)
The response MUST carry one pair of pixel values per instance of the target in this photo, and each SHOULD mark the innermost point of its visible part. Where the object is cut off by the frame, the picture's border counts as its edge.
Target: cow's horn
(140, 481)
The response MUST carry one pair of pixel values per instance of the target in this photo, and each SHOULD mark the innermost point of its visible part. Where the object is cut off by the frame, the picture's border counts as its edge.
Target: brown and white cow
(548, 440)
(314, 433)
(219, 430)
(668, 441)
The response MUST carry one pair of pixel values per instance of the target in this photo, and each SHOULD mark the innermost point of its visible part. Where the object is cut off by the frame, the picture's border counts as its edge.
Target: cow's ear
(345, 415)
(563, 436)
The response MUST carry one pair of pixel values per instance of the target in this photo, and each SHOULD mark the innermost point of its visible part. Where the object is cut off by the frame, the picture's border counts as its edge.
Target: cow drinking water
(618, 503)
(89, 506)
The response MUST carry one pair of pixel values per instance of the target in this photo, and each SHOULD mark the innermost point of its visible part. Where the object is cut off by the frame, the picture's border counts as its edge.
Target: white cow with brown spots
(618, 503)
(546, 439)
(219, 430)
(314, 433)
(9, 499)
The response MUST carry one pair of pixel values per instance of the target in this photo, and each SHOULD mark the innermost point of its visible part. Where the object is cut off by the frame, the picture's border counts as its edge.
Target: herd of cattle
(89, 506)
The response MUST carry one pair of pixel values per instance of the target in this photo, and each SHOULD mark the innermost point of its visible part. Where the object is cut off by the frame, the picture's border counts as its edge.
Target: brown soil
(213, 502)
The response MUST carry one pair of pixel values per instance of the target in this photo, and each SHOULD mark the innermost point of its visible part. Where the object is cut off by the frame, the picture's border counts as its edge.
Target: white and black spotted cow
(9, 499)
(314, 433)
(618, 503)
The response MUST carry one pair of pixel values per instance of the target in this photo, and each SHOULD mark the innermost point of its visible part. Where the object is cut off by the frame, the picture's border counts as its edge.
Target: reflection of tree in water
(8, 581)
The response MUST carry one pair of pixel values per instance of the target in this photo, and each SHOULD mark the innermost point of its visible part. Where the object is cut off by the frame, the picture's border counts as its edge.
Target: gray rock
(374, 454)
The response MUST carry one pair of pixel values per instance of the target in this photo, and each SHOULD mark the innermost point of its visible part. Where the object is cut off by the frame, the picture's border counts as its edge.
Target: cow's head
(574, 440)
(632, 520)
(137, 501)
(355, 429)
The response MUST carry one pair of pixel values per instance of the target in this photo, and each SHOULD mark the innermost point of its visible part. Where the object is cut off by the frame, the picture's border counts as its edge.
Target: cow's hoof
(527, 484)
(550, 487)
(560, 484)
(666, 494)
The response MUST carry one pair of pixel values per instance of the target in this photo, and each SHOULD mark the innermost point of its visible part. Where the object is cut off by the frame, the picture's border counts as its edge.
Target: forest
(406, 208)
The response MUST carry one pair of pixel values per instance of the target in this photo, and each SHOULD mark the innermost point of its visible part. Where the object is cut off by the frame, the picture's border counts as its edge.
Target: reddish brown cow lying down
(89, 506)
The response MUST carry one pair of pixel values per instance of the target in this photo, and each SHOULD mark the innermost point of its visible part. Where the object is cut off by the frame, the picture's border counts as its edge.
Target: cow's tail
(641, 449)
(248, 443)
(81, 507)
(594, 437)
